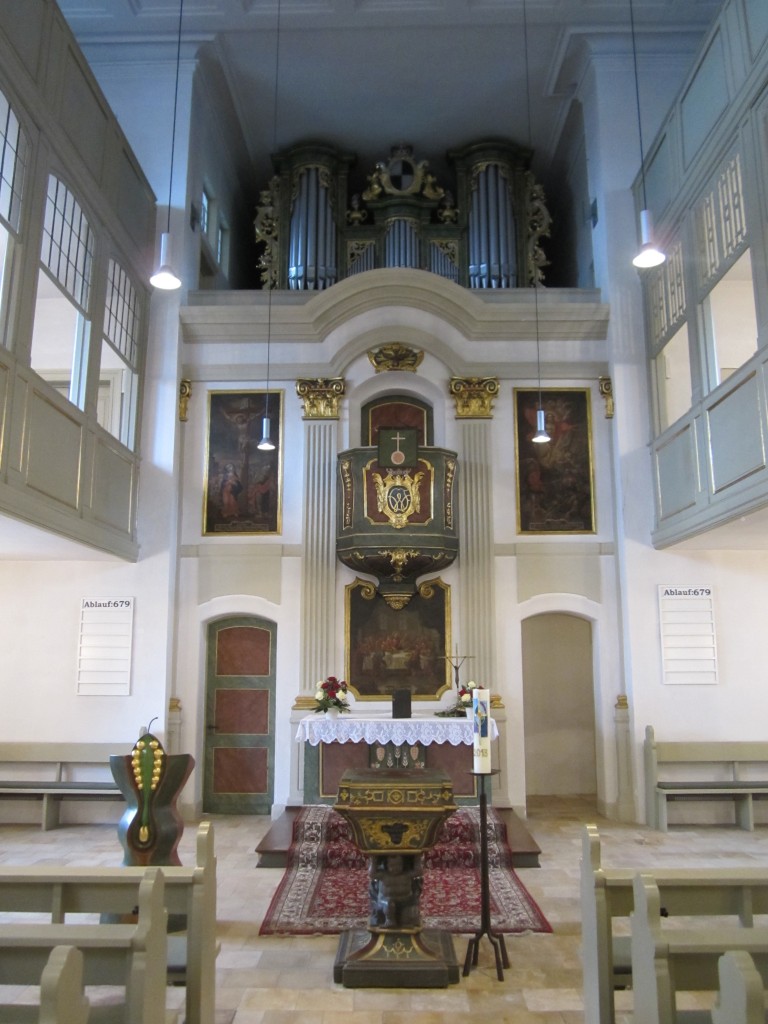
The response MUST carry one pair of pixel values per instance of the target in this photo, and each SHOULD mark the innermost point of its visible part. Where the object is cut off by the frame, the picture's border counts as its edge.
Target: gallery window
(13, 161)
(729, 321)
(61, 332)
(670, 355)
(222, 247)
(205, 212)
(118, 376)
(672, 372)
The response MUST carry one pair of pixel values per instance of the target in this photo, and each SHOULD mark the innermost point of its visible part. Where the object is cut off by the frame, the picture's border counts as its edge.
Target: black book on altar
(401, 704)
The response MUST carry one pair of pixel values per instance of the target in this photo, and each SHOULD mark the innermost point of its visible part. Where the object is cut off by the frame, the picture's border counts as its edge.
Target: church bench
(129, 956)
(112, 893)
(607, 897)
(52, 772)
(700, 770)
(666, 961)
(741, 999)
(62, 998)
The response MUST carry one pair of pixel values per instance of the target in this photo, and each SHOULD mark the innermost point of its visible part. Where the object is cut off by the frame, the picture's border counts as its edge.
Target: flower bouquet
(331, 694)
(463, 702)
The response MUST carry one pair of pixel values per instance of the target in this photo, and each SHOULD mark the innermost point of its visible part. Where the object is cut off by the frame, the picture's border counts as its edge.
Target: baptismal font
(395, 817)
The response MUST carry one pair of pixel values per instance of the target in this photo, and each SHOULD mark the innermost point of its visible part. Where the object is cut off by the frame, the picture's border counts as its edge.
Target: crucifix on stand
(456, 661)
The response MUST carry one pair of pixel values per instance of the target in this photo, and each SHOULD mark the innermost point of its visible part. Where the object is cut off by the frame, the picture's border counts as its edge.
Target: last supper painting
(404, 649)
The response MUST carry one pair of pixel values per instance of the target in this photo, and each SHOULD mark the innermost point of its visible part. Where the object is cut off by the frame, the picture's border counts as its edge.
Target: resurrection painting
(404, 649)
(555, 490)
(243, 481)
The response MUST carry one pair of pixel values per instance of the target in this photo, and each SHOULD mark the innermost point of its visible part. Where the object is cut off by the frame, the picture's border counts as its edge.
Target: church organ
(483, 232)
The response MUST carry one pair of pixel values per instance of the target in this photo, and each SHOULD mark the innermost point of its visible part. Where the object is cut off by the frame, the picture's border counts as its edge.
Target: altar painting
(404, 649)
(555, 487)
(243, 483)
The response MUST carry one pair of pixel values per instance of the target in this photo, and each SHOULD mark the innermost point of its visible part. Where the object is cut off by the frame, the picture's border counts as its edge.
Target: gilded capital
(474, 397)
(320, 397)
(606, 390)
(185, 393)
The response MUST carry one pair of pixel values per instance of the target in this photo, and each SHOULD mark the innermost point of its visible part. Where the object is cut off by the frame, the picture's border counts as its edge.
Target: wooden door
(240, 716)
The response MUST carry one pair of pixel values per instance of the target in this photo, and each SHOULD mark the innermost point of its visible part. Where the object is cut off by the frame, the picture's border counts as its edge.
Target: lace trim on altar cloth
(315, 729)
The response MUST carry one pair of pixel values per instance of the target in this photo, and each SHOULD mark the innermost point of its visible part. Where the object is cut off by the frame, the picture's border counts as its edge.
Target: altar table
(354, 740)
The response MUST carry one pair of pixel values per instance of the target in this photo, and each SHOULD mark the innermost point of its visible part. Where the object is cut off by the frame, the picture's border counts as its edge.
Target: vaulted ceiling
(367, 74)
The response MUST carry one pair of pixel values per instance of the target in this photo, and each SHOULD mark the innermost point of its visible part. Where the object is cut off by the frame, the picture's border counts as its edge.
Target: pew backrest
(736, 770)
(667, 960)
(52, 772)
(62, 999)
(189, 892)
(741, 999)
(607, 893)
(132, 956)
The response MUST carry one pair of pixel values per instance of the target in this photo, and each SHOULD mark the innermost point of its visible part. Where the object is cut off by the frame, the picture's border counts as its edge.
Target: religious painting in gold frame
(403, 649)
(243, 484)
(555, 479)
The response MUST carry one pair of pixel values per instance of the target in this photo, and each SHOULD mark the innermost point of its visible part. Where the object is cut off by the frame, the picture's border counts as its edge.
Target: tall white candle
(481, 704)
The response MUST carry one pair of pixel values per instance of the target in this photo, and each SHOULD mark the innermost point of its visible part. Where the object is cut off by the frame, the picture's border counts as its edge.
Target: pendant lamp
(649, 255)
(266, 444)
(165, 277)
(541, 436)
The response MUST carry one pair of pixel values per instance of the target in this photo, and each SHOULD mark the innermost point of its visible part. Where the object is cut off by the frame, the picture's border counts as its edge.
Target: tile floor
(275, 980)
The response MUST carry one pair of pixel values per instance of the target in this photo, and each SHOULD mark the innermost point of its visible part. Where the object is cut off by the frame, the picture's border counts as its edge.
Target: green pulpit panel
(397, 522)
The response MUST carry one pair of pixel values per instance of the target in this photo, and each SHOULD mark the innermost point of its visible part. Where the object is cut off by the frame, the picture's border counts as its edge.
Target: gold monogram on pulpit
(397, 496)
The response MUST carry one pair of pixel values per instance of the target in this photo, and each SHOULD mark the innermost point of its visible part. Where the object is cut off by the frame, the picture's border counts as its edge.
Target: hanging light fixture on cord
(541, 436)
(266, 444)
(165, 277)
(649, 255)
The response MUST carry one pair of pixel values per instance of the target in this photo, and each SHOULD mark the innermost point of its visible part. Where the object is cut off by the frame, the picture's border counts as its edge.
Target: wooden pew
(189, 892)
(742, 997)
(666, 961)
(704, 770)
(52, 772)
(606, 894)
(131, 956)
(62, 1000)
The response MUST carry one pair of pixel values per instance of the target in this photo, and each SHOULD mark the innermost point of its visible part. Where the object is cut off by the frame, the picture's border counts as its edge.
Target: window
(118, 378)
(13, 159)
(222, 247)
(61, 332)
(672, 370)
(205, 212)
(730, 321)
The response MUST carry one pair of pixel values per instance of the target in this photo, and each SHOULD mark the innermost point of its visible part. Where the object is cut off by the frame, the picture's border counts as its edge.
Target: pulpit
(395, 816)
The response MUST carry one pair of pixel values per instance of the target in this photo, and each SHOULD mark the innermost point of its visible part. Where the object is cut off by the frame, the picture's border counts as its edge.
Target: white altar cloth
(354, 728)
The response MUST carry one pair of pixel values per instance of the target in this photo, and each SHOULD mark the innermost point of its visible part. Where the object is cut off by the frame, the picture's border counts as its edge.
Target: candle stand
(495, 938)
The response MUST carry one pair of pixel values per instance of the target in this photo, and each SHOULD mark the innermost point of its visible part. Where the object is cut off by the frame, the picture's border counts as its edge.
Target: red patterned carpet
(325, 887)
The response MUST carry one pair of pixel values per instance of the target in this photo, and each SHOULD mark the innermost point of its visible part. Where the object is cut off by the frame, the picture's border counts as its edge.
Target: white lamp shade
(541, 436)
(265, 444)
(165, 276)
(649, 255)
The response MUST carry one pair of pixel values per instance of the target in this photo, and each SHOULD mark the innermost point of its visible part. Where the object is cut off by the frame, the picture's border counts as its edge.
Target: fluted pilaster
(478, 605)
(318, 577)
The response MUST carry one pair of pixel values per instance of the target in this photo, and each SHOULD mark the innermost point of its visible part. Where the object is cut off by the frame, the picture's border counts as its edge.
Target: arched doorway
(558, 706)
(239, 756)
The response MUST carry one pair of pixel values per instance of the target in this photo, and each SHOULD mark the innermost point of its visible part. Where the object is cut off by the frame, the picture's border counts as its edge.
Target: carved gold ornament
(474, 396)
(397, 496)
(185, 393)
(267, 230)
(321, 397)
(395, 357)
(398, 559)
(605, 385)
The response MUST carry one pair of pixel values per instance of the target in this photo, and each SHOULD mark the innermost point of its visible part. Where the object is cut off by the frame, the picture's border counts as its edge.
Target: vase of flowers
(331, 697)
(463, 704)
